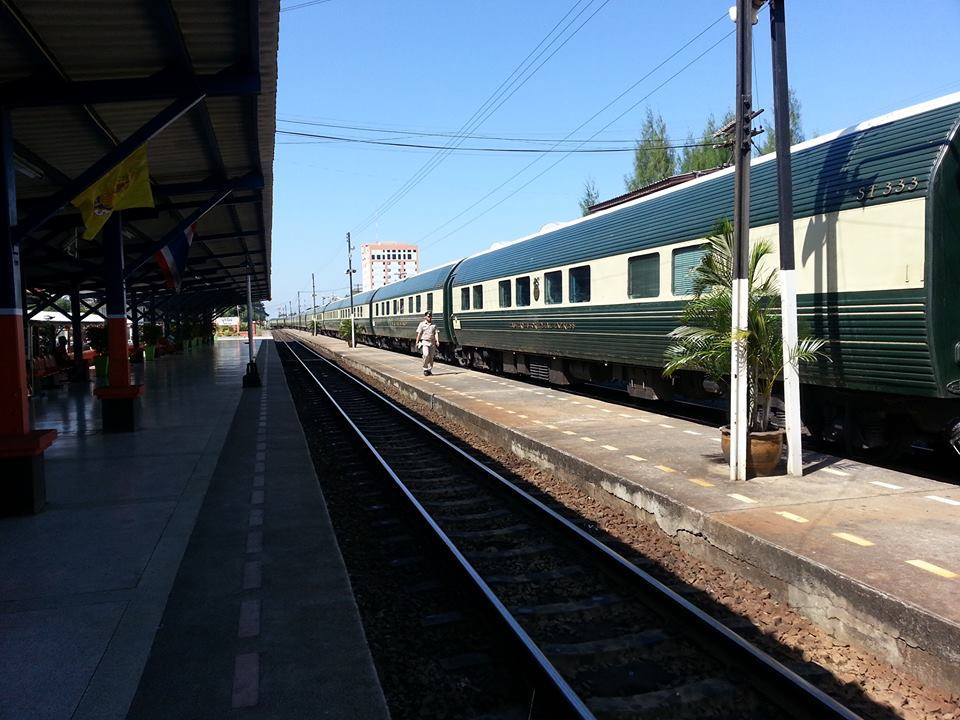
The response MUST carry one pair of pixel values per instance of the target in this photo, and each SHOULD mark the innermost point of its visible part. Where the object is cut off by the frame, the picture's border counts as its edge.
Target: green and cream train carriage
(877, 236)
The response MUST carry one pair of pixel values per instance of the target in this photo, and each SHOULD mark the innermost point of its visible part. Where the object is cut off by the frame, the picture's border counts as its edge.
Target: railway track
(600, 638)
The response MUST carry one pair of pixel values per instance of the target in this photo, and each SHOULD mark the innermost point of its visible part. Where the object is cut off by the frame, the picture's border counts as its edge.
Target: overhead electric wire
(581, 126)
(554, 149)
(303, 5)
(419, 133)
(505, 90)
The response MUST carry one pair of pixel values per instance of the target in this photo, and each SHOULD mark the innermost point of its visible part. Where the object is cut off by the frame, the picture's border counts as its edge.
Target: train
(592, 300)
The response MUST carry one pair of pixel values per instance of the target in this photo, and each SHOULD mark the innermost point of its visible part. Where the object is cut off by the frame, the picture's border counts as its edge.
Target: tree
(705, 156)
(653, 160)
(259, 312)
(590, 195)
(796, 128)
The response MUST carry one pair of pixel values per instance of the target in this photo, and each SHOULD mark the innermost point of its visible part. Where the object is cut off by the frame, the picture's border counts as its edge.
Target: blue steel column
(252, 378)
(119, 397)
(23, 489)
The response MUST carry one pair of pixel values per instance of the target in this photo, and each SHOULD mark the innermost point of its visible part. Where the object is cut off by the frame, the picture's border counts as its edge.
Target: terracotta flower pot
(763, 449)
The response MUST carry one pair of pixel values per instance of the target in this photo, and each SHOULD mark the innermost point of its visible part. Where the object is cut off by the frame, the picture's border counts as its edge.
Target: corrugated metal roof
(46, 43)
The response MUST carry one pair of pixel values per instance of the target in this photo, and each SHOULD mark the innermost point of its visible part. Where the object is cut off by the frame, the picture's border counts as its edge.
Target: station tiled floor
(84, 585)
(893, 533)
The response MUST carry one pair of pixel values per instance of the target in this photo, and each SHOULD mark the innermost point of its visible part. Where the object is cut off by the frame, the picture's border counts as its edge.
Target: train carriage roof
(827, 174)
(358, 299)
(424, 282)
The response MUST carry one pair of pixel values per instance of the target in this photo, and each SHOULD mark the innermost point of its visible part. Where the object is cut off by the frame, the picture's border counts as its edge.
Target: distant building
(384, 263)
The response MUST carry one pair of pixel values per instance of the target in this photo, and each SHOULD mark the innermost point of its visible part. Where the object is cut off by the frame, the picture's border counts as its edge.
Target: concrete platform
(871, 554)
(84, 585)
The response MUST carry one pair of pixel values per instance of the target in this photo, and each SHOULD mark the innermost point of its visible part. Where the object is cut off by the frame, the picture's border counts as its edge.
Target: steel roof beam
(108, 162)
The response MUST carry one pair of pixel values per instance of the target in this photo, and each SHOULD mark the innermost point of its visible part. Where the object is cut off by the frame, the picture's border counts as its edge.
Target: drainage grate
(539, 368)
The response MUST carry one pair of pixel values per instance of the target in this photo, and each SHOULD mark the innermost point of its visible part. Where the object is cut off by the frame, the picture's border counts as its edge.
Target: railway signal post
(739, 380)
(788, 287)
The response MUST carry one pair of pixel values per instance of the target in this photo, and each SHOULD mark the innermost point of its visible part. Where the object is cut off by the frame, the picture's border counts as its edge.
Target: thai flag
(173, 258)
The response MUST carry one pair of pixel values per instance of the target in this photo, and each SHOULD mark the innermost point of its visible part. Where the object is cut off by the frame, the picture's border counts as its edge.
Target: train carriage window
(643, 276)
(505, 299)
(419, 299)
(478, 297)
(376, 310)
(553, 287)
(523, 291)
(394, 308)
(465, 298)
(579, 278)
(429, 302)
(410, 305)
(402, 306)
(685, 261)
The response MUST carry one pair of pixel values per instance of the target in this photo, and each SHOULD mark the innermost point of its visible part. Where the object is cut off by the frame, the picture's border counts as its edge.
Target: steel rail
(562, 694)
(777, 680)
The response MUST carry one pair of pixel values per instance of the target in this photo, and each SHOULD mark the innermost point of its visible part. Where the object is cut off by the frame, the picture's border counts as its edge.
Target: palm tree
(704, 340)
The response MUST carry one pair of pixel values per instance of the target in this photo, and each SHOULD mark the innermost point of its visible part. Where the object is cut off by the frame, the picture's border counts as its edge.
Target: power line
(419, 133)
(580, 127)
(304, 5)
(504, 91)
(554, 149)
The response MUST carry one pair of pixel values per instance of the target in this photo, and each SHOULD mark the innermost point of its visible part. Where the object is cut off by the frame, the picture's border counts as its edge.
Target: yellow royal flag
(126, 186)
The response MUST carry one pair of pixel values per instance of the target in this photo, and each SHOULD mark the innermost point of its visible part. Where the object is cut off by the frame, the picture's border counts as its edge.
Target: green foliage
(706, 156)
(653, 160)
(259, 313)
(769, 144)
(704, 340)
(590, 195)
(344, 329)
(97, 337)
(151, 334)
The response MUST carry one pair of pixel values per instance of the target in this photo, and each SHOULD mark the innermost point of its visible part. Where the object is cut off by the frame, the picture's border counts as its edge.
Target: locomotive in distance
(877, 227)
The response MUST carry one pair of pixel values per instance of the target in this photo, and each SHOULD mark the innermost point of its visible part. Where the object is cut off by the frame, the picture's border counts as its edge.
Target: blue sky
(427, 65)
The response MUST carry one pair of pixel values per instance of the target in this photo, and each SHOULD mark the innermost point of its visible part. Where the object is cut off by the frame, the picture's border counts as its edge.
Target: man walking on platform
(427, 340)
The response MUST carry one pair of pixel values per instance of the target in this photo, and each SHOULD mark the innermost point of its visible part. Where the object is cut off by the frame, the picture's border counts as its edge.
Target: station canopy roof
(197, 78)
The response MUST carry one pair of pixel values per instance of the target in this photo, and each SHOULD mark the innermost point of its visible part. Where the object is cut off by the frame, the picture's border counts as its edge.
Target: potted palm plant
(151, 336)
(97, 337)
(703, 341)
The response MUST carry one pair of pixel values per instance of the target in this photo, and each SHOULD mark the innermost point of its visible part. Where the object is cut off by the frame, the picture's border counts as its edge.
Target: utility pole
(788, 286)
(739, 371)
(313, 287)
(252, 378)
(299, 313)
(353, 336)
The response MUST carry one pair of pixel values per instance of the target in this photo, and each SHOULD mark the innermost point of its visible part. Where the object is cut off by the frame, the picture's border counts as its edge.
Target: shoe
(426, 372)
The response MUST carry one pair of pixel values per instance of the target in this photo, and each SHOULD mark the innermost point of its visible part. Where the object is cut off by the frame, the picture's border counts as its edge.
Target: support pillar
(119, 397)
(80, 371)
(252, 378)
(22, 483)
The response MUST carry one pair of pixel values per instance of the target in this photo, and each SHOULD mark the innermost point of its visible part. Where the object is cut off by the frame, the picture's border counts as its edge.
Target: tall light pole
(350, 271)
(788, 286)
(739, 370)
(252, 378)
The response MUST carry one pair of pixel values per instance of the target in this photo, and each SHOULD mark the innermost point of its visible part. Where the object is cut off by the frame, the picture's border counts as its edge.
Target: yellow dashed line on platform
(522, 416)
(537, 393)
(539, 422)
(855, 539)
(791, 516)
(701, 483)
(665, 468)
(592, 407)
(569, 432)
(839, 473)
(552, 427)
(945, 501)
(931, 568)
(587, 439)
(692, 432)
(643, 420)
(511, 412)
(624, 415)
(497, 407)
(716, 440)
(605, 410)
(888, 486)
(637, 458)
(664, 425)
(609, 447)
(742, 498)
(574, 402)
